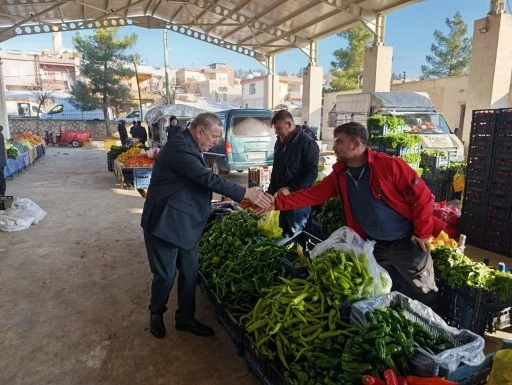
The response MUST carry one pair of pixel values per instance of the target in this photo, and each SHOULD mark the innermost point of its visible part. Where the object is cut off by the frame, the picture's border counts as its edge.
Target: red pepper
(369, 380)
(415, 380)
(402, 381)
(390, 377)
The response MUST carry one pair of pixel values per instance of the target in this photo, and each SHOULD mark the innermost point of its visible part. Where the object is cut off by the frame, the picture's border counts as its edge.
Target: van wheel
(240, 171)
(75, 144)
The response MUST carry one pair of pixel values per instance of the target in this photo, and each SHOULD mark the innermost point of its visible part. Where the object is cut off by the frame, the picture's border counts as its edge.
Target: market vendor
(3, 162)
(384, 200)
(175, 212)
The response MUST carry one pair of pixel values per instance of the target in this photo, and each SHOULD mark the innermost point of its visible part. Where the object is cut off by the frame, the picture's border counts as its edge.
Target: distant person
(173, 128)
(140, 133)
(123, 135)
(309, 132)
(3, 162)
(132, 128)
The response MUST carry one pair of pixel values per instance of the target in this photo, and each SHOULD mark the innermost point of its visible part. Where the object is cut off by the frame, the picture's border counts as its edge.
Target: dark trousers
(414, 266)
(3, 183)
(164, 258)
(293, 221)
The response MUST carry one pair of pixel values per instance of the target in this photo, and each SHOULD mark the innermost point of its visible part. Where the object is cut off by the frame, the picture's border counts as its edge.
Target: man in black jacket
(173, 128)
(175, 212)
(295, 167)
(140, 133)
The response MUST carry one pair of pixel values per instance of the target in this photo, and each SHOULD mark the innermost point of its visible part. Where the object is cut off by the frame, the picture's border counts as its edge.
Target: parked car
(133, 115)
(64, 110)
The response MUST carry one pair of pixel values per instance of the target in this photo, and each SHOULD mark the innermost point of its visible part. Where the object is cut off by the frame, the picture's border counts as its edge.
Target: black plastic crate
(203, 284)
(504, 124)
(440, 189)
(480, 145)
(317, 228)
(476, 219)
(141, 178)
(110, 164)
(208, 290)
(483, 121)
(264, 369)
(308, 242)
(6, 202)
(472, 375)
(233, 328)
(477, 164)
(503, 147)
(476, 185)
(435, 175)
(474, 206)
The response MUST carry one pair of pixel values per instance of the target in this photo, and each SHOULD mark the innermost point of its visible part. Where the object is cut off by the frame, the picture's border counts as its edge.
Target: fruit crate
(504, 124)
(263, 368)
(232, 327)
(110, 164)
(503, 146)
(141, 178)
(501, 319)
(317, 228)
(207, 289)
(400, 150)
(484, 121)
(6, 202)
(308, 242)
(480, 145)
(435, 175)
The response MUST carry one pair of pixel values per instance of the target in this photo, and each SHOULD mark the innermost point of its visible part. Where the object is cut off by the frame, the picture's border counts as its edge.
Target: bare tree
(42, 89)
(156, 86)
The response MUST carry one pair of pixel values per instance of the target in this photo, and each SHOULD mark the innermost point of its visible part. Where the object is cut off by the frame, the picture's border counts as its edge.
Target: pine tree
(451, 54)
(347, 70)
(104, 64)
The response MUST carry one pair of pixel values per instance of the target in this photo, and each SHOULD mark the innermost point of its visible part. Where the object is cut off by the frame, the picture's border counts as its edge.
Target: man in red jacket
(384, 200)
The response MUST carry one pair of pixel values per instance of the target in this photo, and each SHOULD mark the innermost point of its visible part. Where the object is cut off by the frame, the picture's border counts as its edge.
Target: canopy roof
(257, 28)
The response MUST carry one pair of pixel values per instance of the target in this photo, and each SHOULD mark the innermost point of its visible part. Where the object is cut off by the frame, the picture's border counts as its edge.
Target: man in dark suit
(3, 162)
(175, 213)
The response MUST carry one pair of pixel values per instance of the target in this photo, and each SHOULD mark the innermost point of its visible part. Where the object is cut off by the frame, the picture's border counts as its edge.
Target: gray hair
(206, 120)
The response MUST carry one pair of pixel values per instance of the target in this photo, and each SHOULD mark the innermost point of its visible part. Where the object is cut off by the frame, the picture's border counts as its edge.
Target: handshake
(263, 200)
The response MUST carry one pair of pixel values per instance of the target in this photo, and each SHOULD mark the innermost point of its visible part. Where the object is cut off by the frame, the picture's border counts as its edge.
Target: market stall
(22, 151)
(132, 165)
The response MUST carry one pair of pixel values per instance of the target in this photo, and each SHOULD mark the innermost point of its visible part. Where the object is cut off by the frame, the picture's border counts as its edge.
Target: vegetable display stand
(125, 175)
(233, 328)
(472, 375)
(141, 177)
(265, 370)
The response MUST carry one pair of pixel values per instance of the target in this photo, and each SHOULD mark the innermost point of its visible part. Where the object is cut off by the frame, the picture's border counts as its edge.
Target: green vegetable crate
(265, 370)
(472, 375)
(234, 330)
(292, 264)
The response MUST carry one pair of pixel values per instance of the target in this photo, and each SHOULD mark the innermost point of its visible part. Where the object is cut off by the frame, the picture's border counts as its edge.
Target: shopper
(173, 128)
(175, 212)
(3, 162)
(384, 200)
(123, 135)
(295, 167)
(308, 131)
(140, 133)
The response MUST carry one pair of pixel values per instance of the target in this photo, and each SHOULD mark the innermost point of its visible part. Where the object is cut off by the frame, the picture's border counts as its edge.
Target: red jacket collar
(340, 166)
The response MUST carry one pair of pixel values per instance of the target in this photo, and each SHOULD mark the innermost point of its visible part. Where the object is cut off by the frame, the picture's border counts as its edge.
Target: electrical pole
(403, 79)
(135, 58)
(167, 91)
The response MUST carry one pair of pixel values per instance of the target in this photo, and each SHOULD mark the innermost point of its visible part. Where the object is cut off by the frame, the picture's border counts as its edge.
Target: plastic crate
(264, 369)
(308, 242)
(472, 375)
(207, 289)
(434, 162)
(203, 284)
(440, 189)
(501, 319)
(317, 228)
(483, 121)
(233, 328)
(480, 145)
(435, 175)
(504, 124)
(399, 151)
(141, 178)
(110, 164)
(6, 202)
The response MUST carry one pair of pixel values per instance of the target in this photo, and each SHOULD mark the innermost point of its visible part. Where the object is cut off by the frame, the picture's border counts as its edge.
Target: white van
(23, 109)
(134, 115)
(66, 111)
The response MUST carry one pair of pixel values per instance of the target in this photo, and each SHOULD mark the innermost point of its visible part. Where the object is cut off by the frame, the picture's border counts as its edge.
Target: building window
(225, 97)
(252, 89)
(14, 71)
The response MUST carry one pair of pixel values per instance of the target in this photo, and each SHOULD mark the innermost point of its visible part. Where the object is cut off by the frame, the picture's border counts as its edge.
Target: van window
(58, 109)
(251, 126)
(425, 123)
(35, 111)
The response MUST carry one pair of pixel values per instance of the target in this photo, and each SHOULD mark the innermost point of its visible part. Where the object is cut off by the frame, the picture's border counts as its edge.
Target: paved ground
(74, 289)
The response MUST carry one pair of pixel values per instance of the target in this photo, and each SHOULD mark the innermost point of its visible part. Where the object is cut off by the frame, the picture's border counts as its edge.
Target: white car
(64, 110)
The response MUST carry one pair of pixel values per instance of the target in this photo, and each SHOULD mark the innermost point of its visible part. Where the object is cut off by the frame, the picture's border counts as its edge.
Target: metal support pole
(313, 53)
(379, 30)
(167, 91)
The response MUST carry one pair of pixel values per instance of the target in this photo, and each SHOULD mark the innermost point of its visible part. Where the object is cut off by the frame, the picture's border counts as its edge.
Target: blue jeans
(293, 221)
(164, 259)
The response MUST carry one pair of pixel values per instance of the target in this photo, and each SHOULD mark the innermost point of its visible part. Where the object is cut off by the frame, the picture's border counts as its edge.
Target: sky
(410, 31)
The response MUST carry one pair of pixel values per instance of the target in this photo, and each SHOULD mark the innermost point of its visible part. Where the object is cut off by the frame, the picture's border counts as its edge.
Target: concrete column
(491, 67)
(377, 69)
(312, 78)
(3, 108)
(271, 86)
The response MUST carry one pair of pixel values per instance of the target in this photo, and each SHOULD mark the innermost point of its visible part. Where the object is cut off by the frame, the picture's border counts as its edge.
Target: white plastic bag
(27, 208)
(468, 345)
(347, 240)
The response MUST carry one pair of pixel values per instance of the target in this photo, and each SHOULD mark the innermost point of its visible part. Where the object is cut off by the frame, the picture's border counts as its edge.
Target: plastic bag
(27, 208)
(347, 240)
(501, 372)
(458, 180)
(468, 345)
(23, 214)
(268, 225)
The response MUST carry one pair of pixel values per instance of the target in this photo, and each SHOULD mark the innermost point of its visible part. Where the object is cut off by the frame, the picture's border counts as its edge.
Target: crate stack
(487, 205)
(437, 176)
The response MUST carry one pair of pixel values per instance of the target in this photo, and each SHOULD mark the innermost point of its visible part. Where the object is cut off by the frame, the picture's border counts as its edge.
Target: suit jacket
(180, 191)
(3, 154)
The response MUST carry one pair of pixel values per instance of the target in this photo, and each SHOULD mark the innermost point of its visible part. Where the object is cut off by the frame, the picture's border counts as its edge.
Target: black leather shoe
(195, 327)
(156, 325)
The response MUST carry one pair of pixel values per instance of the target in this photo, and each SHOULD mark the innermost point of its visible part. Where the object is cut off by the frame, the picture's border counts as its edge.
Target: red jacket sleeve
(311, 196)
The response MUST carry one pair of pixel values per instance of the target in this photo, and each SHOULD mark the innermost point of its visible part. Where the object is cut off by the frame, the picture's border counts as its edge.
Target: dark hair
(354, 130)
(173, 118)
(281, 115)
(1, 128)
(139, 122)
(207, 120)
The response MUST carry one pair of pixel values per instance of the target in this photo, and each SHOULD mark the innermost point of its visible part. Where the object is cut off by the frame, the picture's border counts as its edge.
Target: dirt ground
(74, 289)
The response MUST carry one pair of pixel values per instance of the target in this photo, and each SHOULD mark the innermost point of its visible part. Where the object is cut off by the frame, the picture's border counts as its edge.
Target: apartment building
(290, 91)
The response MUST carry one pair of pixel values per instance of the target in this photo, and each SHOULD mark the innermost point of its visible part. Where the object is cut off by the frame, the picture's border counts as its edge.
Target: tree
(42, 89)
(347, 70)
(156, 86)
(399, 76)
(451, 54)
(104, 64)
(283, 73)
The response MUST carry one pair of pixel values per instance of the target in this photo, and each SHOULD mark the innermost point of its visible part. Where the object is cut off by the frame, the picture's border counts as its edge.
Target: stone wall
(38, 127)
